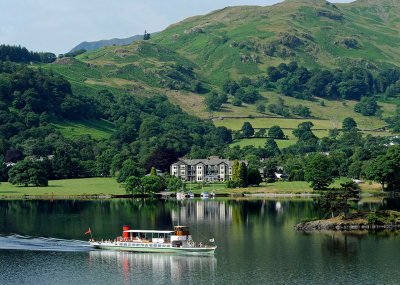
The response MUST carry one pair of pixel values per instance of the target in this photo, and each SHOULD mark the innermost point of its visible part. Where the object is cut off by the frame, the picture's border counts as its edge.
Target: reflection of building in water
(210, 211)
(144, 267)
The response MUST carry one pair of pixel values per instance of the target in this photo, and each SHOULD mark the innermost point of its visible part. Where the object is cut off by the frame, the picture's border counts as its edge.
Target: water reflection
(171, 269)
(345, 245)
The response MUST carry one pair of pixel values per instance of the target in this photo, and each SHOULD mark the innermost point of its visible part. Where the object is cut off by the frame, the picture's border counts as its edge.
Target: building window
(199, 172)
(174, 167)
(183, 166)
(174, 173)
(183, 172)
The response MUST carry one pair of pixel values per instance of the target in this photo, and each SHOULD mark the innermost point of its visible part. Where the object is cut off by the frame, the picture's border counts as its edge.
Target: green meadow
(66, 187)
(97, 129)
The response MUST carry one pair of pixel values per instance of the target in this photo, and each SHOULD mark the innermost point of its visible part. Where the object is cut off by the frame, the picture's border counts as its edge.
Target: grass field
(294, 187)
(236, 124)
(68, 187)
(96, 129)
(109, 186)
(261, 142)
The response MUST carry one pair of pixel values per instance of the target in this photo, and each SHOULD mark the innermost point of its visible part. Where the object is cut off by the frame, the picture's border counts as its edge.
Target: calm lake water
(43, 242)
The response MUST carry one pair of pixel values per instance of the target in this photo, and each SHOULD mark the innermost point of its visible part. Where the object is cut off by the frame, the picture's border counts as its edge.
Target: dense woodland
(21, 54)
(152, 132)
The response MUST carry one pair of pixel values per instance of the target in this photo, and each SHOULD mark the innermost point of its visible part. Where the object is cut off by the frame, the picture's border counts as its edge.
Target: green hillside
(193, 57)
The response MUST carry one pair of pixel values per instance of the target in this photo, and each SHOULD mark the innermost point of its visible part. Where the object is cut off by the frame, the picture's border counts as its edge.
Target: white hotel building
(203, 170)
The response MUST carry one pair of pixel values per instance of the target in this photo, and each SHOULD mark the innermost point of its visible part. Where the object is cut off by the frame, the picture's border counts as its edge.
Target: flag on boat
(88, 232)
(212, 240)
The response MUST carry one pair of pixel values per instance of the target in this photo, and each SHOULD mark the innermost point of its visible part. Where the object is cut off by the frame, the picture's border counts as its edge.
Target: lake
(44, 242)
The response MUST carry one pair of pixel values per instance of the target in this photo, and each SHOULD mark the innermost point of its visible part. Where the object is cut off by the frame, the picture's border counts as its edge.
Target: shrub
(305, 220)
(372, 219)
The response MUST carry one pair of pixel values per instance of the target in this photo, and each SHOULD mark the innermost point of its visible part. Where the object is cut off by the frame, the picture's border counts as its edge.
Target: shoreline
(167, 195)
(388, 220)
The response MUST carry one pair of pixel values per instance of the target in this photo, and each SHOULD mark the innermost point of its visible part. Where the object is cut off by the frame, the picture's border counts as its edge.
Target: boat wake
(18, 242)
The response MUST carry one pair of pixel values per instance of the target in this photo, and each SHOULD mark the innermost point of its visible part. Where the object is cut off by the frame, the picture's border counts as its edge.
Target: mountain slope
(198, 54)
(247, 39)
(88, 46)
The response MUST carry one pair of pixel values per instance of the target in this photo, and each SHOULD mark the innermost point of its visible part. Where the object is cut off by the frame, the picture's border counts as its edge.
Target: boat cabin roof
(148, 231)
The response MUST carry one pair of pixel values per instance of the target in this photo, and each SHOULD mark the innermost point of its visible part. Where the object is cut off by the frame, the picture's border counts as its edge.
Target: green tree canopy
(336, 200)
(319, 172)
(247, 129)
(385, 169)
(151, 184)
(27, 172)
(175, 184)
(276, 132)
(348, 124)
(129, 168)
(133, 185)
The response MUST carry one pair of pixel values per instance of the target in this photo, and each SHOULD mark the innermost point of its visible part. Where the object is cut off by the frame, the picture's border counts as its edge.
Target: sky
(59, 25)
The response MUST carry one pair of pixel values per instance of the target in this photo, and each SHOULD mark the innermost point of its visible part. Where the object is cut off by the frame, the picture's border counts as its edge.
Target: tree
(237, 102)
(302, 128)
(63, 166)
(247, 129)
(336, 200)
(129, 168)
(262, 132)
(13, 155)
(27, 172)
(260, 107)
(175, 184)
(270, 166)
(318, 172)
(348, 124)
(245, 81)
(150, 184)
(213, 101)
(383, 170)
(355, 169)
(276, 132)
(254, 176)
(235, 170)
(242, 181)
(153, 171)
(103, 165)
(146, 36)
(271, 147)
(133, 185)
(161, 159)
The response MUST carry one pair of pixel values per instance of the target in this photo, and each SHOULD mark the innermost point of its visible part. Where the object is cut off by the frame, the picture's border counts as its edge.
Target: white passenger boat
(177, 241)
(204, 195)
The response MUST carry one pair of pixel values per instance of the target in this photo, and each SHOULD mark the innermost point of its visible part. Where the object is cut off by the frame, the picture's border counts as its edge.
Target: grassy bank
(67, 187)
(109, 186)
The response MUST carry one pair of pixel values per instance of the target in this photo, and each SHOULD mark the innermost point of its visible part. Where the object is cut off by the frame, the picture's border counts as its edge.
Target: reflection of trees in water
(347, 244)
(344, 245)
(384, 233)
(377, 204)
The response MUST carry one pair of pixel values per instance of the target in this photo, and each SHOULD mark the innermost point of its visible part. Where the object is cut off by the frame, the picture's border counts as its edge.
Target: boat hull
(179, 250)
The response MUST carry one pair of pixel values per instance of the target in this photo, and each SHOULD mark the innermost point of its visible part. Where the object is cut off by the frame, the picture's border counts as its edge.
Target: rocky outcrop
(341, 226)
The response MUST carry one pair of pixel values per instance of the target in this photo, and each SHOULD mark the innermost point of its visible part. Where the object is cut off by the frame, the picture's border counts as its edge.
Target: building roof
(209, 161)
